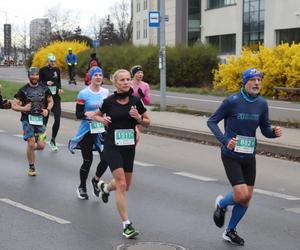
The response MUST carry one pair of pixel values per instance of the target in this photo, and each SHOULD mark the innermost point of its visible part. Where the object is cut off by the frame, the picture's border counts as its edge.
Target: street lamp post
(162, 56)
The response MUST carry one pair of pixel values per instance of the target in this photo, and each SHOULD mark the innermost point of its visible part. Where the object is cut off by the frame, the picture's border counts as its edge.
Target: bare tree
(121, 15)
(96, 25)
(63, 21)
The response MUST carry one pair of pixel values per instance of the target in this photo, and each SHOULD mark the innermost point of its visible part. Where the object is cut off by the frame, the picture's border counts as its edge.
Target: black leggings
(56, 110)
(86, 145)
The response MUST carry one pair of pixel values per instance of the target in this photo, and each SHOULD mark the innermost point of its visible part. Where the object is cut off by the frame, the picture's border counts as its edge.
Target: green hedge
(186, 66)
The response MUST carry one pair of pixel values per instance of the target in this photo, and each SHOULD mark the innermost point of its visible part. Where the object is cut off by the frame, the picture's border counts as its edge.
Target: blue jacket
(242, 115)
(71, 58)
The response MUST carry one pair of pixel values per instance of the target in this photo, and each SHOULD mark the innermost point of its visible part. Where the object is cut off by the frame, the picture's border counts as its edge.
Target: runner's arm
(215, 118)
(265, 125)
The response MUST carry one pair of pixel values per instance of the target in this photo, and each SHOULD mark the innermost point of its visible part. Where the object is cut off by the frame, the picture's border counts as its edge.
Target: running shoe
(81, 193)
(231, 236)
(129, 232)
(96, 190)
(104, 195)
(53, 145)
(31, 171)
(219, 213)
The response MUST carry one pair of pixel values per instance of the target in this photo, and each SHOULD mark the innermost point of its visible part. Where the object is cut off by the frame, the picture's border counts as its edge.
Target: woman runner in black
(120, 113)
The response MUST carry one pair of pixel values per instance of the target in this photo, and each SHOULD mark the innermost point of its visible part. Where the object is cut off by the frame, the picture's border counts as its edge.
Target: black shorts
(119, 157)
(240, 171)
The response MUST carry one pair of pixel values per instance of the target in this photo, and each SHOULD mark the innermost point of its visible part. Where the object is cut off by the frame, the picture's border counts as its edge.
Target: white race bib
(53, 89)
(96, 127)
(245, 144)
(124, 137)
(35, 120)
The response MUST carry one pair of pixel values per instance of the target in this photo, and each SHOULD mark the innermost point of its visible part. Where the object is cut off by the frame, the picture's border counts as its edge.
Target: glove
(6, 104)
(75, 63)
(141, 93)
(70, 64)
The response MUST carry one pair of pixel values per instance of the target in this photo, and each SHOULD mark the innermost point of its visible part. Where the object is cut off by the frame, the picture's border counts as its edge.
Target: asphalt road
(170, 201)
(279, 110)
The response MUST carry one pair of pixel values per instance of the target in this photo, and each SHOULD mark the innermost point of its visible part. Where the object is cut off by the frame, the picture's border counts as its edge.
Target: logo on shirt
(248, 117)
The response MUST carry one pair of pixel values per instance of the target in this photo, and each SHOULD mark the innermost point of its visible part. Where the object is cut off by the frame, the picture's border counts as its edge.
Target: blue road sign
(154, 18)
(96, 43)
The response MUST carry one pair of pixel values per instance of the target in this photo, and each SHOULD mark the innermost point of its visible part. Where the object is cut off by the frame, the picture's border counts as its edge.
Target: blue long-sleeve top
(242, 115)
(71, 58)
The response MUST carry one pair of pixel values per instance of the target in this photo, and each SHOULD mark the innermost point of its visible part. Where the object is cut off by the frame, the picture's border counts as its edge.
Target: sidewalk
(191, 127)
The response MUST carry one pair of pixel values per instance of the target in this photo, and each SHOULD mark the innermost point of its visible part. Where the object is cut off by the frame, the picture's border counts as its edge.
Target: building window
(224, 43)
(194, 21)
(288, 36)
(145, 4)
(213, 4)
(138, 30)
(138, 6)
(253, 22)
(145, 24)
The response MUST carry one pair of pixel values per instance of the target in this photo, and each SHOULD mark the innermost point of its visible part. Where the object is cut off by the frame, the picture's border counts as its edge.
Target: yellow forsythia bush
(60, 50)
(280, 66)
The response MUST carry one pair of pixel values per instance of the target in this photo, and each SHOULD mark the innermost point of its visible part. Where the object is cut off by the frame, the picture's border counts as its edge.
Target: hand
(141, 93)
(277, 131)
(106, 120)
(90, 115)
(27, 107)
(49, 83)
(135, 114)
(6, 104)
(231, 144)
(60, 91)
(45, 112)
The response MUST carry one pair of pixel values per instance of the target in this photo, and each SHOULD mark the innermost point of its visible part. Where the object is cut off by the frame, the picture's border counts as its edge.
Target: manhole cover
(150, 246)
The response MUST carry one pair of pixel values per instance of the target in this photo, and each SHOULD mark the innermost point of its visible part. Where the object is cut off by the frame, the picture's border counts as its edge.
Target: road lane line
(2, 131)
(144, 164)
(34, 211)
(294, 210)
(282, 108)
(18, 135)
(193, 176)
(216, 101)
(277, 195)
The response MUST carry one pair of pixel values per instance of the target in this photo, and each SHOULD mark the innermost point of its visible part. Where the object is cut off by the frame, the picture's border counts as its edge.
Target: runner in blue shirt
(71, 60)
(89, 136)
(242, 113)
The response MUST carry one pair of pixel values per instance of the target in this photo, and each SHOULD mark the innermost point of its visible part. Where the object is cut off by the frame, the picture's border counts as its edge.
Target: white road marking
(34, 211)
(18, 135)
(2, 131)
(143, 164)
(193, 176)
(216, 101)
(277, 195)
(294, 210)
(282, 108)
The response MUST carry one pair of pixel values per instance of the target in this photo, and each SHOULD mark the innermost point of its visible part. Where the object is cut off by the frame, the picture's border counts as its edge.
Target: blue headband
(249, 74)
(95, 70)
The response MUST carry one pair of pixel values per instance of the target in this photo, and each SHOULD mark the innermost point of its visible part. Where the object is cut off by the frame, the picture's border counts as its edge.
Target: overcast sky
(31, 9)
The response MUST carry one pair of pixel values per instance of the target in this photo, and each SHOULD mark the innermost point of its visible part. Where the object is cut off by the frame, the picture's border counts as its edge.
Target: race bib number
(53, 89)
(245, 144)
(124, 137)
(96, 127)
(35, 120)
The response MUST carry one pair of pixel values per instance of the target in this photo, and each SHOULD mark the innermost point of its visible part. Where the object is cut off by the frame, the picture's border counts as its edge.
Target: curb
(207, 138)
